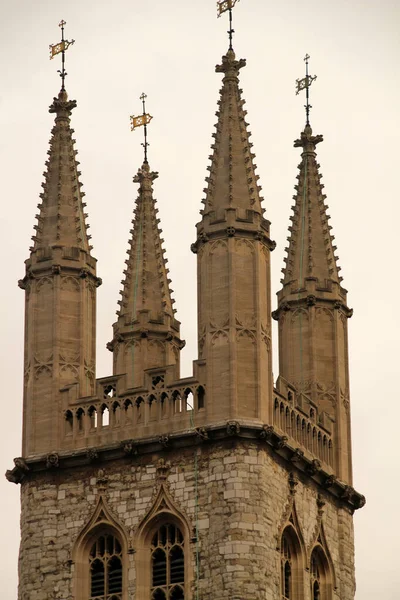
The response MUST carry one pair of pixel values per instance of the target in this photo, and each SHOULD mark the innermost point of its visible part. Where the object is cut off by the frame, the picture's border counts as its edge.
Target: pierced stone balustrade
(111, 416)
(304, 430)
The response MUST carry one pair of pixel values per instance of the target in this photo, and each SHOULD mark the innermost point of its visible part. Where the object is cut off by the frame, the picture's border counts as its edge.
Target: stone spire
(232, 182)
(312, 311)
(233, 249)
(146, 316)
(311, 251)
(61, 220)
(60, 291)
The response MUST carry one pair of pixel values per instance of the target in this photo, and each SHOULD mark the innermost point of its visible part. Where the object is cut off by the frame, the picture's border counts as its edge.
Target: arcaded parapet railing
(304, 430)
(110, 417)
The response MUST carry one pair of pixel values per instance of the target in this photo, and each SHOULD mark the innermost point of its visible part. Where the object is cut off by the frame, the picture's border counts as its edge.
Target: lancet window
(167, 564)
(320, 577)
(106, 573)
(286, 564)
(292, 564)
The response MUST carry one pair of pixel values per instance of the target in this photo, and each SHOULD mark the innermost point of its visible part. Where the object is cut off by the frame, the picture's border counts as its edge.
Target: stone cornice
(266, 436)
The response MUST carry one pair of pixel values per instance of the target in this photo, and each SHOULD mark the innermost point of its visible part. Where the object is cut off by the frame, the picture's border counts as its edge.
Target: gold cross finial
(58, 48)
(143, 119)
(223, 6)
(304, 84)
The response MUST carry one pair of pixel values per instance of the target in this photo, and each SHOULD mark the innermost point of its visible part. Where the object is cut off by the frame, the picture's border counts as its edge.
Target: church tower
(220, 486)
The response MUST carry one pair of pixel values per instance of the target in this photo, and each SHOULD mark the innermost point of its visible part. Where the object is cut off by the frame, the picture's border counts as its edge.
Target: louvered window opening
(315, 578)
(168, 564)
(106, 569)
(286, 564)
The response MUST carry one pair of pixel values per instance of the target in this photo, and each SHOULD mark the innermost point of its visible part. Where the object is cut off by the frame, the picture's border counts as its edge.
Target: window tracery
(315, 578)
(286, 564)
(320, 578)
(106, 573)
(167, 563)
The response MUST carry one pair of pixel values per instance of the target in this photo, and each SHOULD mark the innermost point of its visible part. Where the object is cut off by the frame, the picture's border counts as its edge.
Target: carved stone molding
(293, 483)
(311, 300)
(164, 440)
(297, 455)
(233, 428)
(202, 433)
(52, 460)
(162, 470)
(129, 448)
(266, 432)
(314, 467)
(92, 454)
(101, 480)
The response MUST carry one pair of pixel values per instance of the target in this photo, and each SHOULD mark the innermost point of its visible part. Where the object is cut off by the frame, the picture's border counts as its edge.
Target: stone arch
(163, 511)
(292, 563)
(70, 283)
(290, 520)
(102, 522)
(320, 575)
(320, 543)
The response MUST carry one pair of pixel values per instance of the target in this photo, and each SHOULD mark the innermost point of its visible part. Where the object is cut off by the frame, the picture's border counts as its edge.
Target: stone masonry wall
(243, 495)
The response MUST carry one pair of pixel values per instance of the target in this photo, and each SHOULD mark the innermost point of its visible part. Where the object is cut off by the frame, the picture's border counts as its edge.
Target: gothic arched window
(106, 574)
(167, 564)
(320, 578)
(292, 564)
(286, 564)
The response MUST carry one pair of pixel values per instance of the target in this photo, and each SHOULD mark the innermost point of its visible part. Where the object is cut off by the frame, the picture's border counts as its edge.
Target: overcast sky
(169, 50)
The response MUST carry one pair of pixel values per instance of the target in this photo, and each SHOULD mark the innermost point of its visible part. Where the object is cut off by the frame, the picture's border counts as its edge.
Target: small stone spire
(61, 218)
(146, 283)
(146, 312)
(311, 250)
(232, 182)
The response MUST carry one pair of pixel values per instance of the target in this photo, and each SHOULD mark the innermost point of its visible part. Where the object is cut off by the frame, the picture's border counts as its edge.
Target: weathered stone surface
(242, 493)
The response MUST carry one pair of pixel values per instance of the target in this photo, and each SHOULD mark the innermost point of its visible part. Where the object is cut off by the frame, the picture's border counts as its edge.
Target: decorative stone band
(266, 436)
(259, 235)
(309, 301)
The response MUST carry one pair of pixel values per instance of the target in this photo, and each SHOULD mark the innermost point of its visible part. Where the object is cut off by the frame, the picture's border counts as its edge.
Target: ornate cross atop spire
(143, 119)
(304, 84)
(230, 66)
(58, 48)
(223, 6)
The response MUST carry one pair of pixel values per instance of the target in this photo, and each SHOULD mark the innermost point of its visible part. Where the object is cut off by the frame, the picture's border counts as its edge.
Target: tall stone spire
(61, 220)
(232, 182)
(146, 334)
(60, 287)
(233, 249)
(312, 309)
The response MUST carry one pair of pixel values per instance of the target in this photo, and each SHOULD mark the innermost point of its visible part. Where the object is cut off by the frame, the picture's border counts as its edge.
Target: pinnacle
(146, 282)
(311, 251)
(232, 182)
(61, 219)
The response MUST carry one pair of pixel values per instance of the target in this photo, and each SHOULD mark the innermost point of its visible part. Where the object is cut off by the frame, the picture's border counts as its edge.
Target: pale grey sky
(169, 50)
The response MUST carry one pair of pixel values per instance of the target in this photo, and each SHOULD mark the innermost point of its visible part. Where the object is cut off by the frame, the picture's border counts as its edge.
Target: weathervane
(304, 84)
(61, 47)
(144, 120)
(223, 6)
